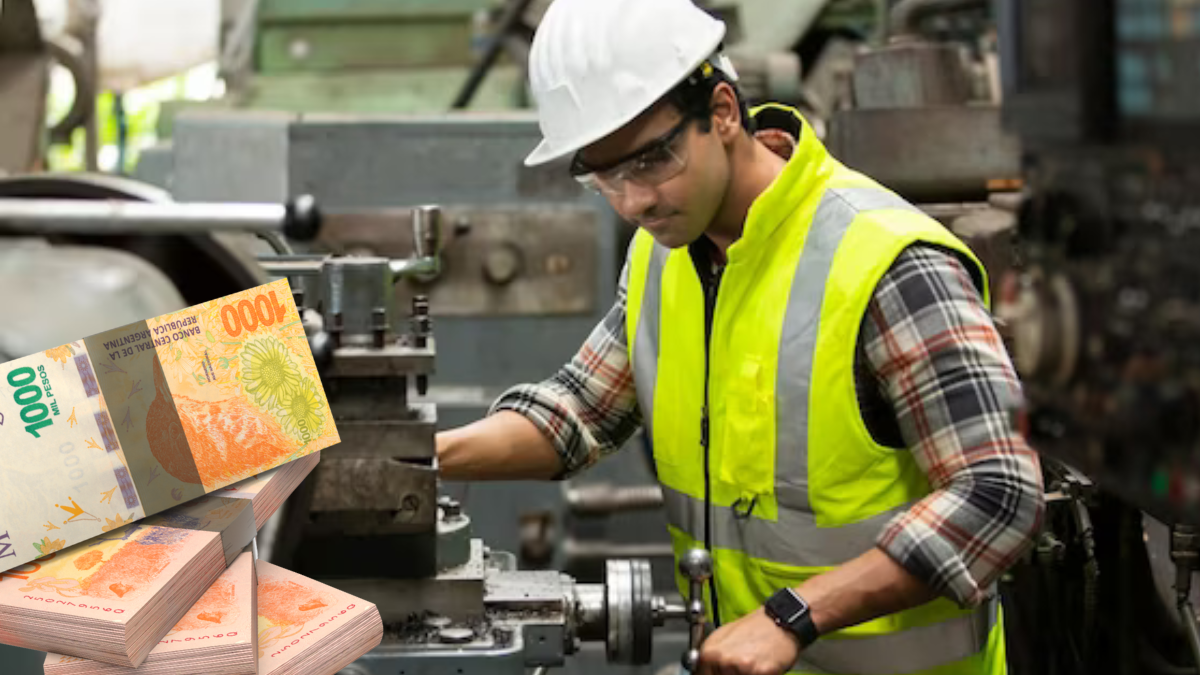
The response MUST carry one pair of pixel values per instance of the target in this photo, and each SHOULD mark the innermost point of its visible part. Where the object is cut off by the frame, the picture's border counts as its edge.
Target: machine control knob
(302, 219)
(696, 565)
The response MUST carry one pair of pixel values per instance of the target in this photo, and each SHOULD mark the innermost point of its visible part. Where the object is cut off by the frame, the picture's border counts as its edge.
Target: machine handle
(696, 565)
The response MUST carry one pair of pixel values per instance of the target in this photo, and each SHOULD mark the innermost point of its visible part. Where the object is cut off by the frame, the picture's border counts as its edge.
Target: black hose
(512, 16)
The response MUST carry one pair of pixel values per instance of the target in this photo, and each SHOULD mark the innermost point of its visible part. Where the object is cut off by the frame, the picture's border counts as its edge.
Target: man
(829, 405)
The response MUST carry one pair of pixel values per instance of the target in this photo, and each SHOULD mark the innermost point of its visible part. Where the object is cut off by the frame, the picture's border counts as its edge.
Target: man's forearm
(870, 586)
(504, 446)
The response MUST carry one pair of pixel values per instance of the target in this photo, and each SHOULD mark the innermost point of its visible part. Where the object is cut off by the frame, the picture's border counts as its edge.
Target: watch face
(791, 612)
(788, 606)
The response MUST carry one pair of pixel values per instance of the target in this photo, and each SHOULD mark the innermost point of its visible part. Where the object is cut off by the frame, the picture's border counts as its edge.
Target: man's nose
(635, 201)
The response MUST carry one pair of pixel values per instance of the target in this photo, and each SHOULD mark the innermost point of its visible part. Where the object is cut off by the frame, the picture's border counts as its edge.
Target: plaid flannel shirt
(929, 344)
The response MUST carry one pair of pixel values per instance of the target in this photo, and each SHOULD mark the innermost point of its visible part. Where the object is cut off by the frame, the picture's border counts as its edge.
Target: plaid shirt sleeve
(937, 358)
(588, 409)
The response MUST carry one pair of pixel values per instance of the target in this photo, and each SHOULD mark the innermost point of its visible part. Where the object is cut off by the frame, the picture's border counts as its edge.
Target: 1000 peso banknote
(126, 423)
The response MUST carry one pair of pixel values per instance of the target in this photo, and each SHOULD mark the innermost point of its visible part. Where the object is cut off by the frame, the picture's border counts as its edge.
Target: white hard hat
(597, 64)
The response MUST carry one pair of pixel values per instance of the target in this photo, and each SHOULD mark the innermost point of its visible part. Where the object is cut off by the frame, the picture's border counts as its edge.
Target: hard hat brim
(546, 151)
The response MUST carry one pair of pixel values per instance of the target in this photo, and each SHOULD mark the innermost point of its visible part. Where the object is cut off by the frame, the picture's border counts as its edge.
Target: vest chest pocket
(748, 442)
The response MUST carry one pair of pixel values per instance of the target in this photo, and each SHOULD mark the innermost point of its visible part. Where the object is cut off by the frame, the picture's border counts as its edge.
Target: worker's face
(670, 177)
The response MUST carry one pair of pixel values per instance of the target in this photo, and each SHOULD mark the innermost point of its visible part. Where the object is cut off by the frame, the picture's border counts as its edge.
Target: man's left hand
(752, 645)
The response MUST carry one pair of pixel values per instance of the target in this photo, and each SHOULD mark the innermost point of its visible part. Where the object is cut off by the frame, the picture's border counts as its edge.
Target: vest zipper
(712, 286)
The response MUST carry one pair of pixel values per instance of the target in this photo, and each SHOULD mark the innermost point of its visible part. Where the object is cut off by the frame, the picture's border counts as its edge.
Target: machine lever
(696, 565)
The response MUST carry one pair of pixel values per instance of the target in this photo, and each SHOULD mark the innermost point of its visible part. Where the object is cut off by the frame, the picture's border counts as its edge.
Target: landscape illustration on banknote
(111, 428)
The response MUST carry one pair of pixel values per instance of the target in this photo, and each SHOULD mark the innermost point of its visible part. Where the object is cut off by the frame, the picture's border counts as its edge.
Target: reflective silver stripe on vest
(795, 539)
(798, 341)
(908, 651)
(646, 341)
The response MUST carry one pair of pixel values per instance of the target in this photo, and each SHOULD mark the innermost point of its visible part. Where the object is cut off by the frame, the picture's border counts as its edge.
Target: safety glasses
(652, 164)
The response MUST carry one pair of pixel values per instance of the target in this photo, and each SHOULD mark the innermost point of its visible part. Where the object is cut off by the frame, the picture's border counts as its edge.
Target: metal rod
(577, 550)
(277, 243)
(405, 267)
(602, 499)
(292, 266)
(111, 217)
(668, 611)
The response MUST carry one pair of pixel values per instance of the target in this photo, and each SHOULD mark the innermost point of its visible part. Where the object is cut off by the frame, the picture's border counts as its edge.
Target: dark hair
(693, 96)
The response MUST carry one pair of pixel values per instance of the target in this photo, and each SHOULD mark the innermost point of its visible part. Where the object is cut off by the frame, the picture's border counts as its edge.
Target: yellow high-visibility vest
(797, 484)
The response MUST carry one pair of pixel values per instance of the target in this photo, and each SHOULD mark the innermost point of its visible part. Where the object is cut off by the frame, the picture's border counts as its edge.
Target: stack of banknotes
(111, 598)
(147, 574)
(217, 635)
(127, 423)
(280, 624)
(308, 628)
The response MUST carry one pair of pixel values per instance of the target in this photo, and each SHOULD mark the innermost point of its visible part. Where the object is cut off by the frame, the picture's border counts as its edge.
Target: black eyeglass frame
(582, 168)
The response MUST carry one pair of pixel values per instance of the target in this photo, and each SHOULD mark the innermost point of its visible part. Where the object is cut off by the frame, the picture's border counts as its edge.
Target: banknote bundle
(127, 423)
(217, 636)
(237, 512)
(111, 598)
(308, 628)
(147, 573)
(302, 627)
(268, 490)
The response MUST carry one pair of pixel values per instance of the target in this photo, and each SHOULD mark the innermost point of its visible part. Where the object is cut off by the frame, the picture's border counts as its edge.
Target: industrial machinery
(450, 603)
(1103, 316)
(997, 118)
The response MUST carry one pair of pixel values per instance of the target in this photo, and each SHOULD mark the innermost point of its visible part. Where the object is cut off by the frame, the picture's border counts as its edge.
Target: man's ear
(726, 115)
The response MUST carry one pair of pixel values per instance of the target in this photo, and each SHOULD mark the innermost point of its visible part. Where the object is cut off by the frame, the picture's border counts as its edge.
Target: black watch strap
(791, 613)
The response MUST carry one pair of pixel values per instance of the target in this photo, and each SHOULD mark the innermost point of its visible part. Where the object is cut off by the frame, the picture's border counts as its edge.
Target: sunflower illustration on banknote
(268, 373)
(301, 413)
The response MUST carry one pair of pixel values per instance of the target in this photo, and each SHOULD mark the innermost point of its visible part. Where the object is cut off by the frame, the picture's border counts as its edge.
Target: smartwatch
(791, 613)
